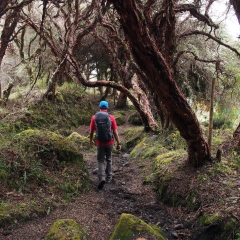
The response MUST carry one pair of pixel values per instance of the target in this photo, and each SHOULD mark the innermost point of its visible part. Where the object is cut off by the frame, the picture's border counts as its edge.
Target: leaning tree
(10, 13)
(149, 27)
(236, 5)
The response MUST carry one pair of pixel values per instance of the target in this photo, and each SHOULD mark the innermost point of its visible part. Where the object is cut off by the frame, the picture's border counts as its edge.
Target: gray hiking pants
(104, 153)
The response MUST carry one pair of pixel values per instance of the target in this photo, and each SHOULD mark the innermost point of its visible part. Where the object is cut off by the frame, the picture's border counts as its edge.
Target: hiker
(106, 130)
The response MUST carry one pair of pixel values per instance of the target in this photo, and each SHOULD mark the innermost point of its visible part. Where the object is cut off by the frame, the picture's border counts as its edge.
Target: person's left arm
(115, 133)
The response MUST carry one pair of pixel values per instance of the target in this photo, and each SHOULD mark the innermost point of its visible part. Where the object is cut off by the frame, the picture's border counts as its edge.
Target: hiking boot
(108, 180)
(101, 184)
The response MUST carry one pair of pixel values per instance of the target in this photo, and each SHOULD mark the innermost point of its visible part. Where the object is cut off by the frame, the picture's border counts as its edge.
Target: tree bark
(7, 32)
(236, 136)
(122, 101)
(236, 6)
(6, 92)
(154, 65)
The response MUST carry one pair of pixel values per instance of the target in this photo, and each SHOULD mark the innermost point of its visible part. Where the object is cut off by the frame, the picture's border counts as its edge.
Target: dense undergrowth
(42, 164)
(211, 193)
(41, 155)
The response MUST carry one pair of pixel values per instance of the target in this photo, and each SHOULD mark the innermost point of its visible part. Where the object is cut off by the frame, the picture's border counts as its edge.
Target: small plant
(237, 236)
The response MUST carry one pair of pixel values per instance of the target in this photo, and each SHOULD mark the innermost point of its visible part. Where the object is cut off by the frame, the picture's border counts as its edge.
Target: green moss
(162, 185)
(80, 141)
(133, 136)
(168, 157)
(164, 167)
(175, 141)
(120, 117)
(45, 160)
(43, 143)
(230, 225)
(153, 151)
(12, 212)
(70, 108)
(192, 200)
(66, 229)
(139, 149)
(148, 147)
(237, 237)
(208, 219)
(217, 140)
(130, 227)
(221, 168)
(135, 119)
(202, 177)
(3, 172)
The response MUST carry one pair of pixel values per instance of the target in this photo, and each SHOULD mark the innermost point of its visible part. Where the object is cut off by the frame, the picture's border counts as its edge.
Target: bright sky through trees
(221, 13)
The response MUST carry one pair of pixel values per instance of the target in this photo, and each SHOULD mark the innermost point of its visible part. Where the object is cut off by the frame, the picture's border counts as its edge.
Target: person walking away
(105, 126)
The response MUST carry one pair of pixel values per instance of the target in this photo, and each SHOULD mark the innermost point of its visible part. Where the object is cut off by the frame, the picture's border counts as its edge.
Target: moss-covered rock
(215, 226)
(66, 229)
(209, 219)
(47, 144)
(135, 119)
(44, 163)
(147, 148)
(130, 227)
(78, 140)
(120, 117)
(22, 211)
(133, 136)
(165, 167)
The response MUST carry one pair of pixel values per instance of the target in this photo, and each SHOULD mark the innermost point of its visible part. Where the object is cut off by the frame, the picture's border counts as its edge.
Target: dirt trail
(98, 210)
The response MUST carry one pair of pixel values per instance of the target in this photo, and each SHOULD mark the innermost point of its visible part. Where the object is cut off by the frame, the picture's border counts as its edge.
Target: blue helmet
(103, 104)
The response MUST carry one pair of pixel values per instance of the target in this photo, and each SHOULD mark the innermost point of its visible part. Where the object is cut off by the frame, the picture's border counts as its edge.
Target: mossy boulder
(120, 117)
(135, 119)
(133, 135)
(66, 229)
(43, 158)
(75, 109)
(44, 144)
(147, 148)
(22, 211)
(43, 164)
(215, 226)
(208, 219)
(78, 140)
(130, 227)
(166, 166)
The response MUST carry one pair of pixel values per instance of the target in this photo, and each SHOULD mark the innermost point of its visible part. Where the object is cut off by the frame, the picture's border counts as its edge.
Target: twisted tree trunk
(236, 6)
(154, 65)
